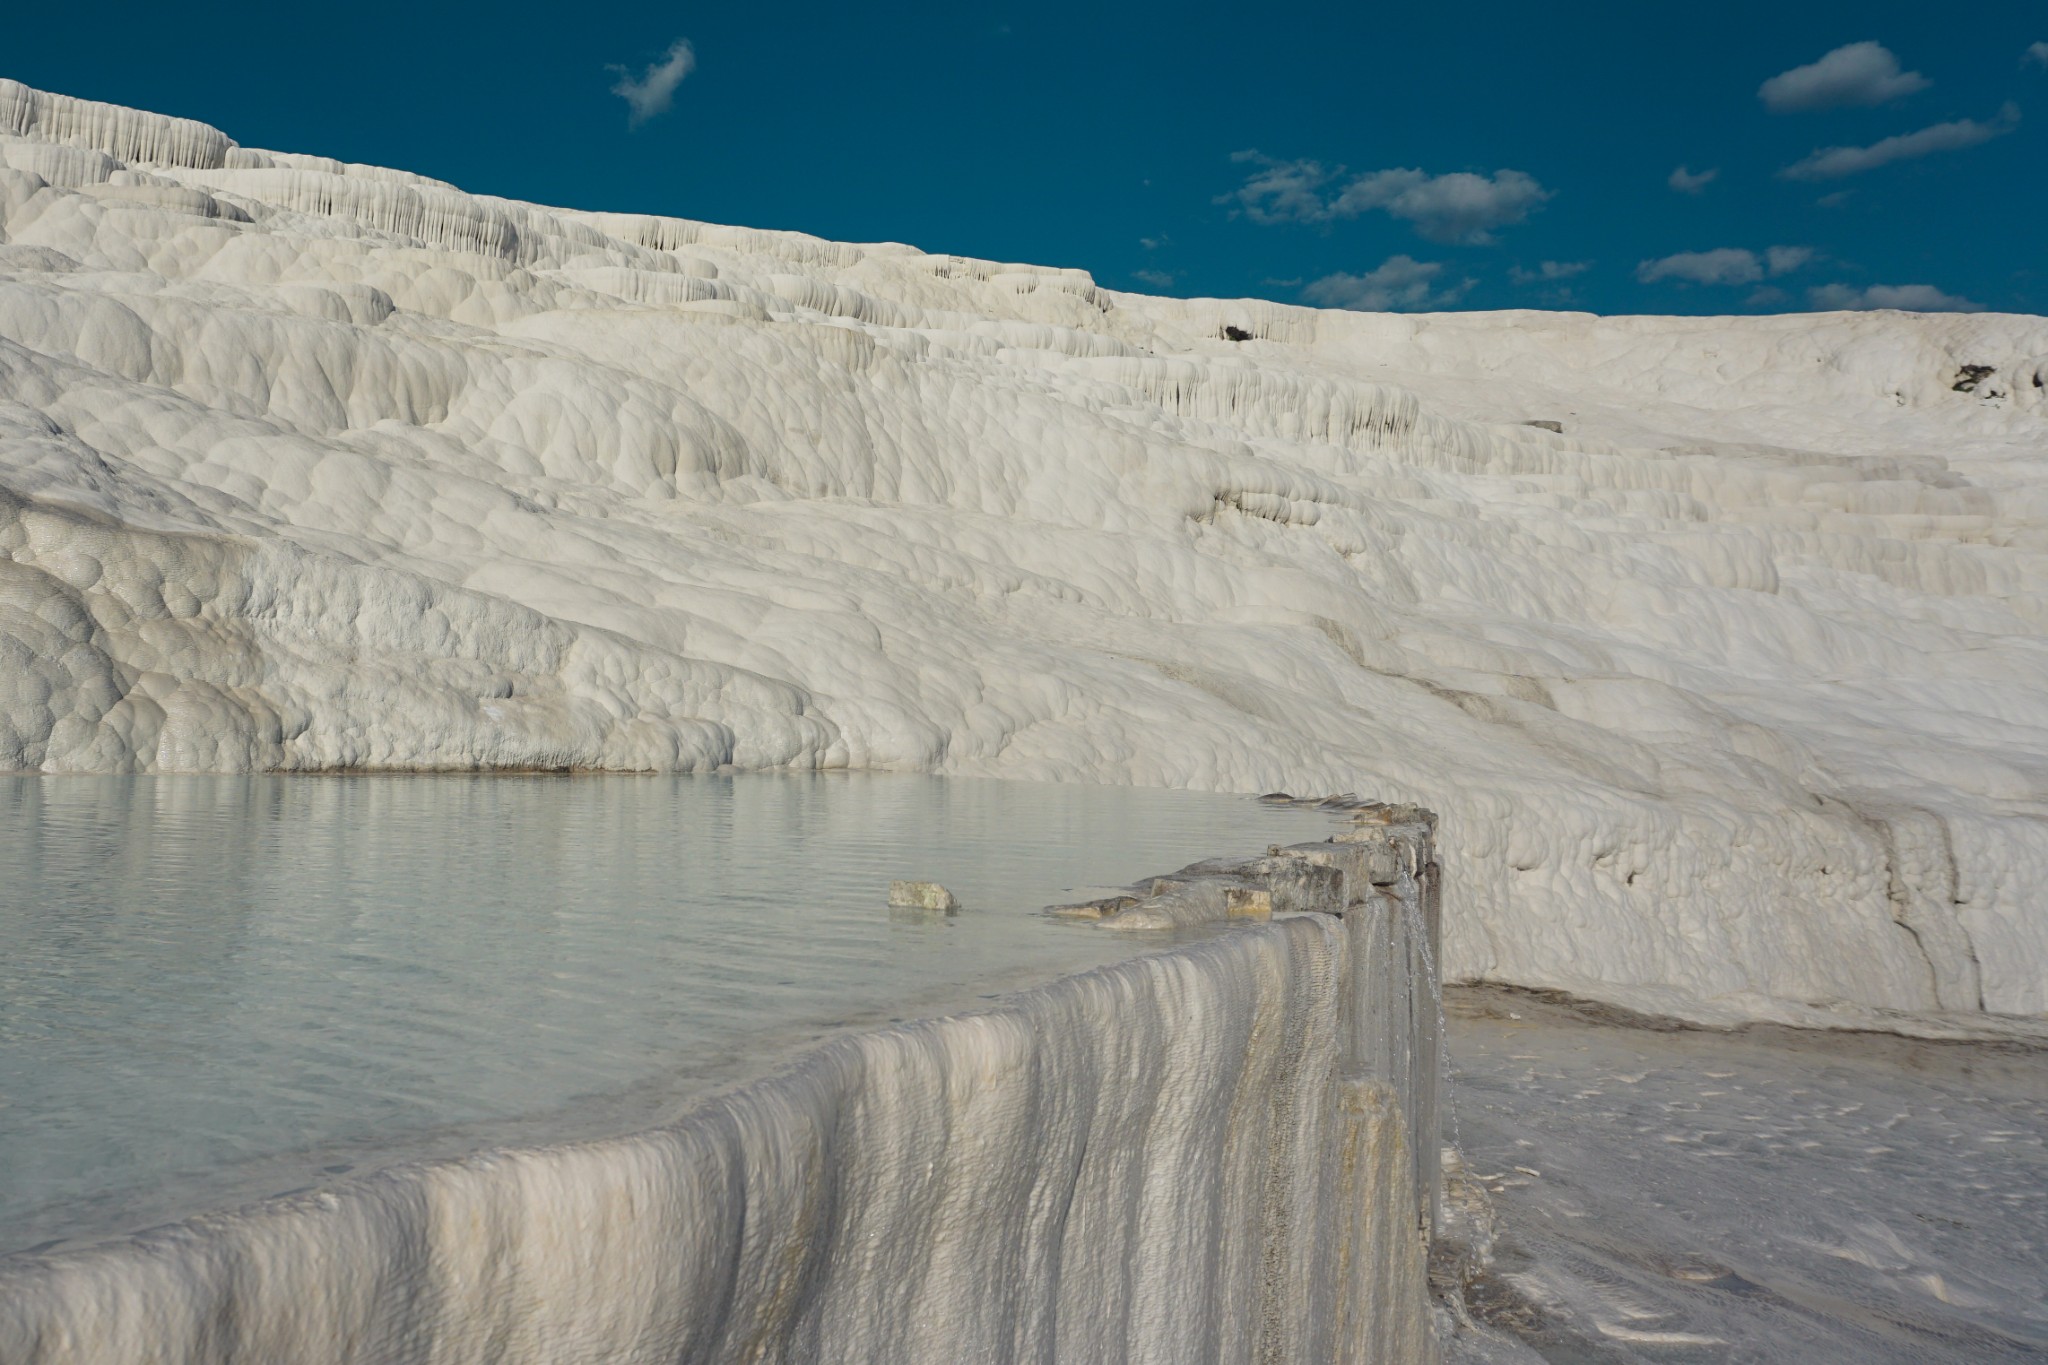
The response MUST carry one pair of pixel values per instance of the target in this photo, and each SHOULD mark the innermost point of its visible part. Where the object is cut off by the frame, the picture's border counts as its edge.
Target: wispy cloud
(1399, 284)
(654, 90)
(1725, 265)
(1549, 272)
(2037, 53)
(1281, 191)
(1687, 181)
(1458, 207)
(1856, 73)
(1832, 163)
(1783, 260)
(1912, 298)
(1158, 279)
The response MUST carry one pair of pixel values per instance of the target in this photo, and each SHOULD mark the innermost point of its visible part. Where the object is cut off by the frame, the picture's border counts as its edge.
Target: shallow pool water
(1760, 1196)
(219, 988)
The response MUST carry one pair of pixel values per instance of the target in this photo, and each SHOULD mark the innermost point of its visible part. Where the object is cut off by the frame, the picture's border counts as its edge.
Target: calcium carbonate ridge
(1729, 691)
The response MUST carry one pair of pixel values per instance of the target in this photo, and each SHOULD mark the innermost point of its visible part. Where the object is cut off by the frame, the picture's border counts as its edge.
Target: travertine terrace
(1730, 691)
(1219, 1153)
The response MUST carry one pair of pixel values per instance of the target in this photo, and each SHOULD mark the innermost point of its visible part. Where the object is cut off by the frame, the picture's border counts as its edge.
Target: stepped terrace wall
(1221, 1152)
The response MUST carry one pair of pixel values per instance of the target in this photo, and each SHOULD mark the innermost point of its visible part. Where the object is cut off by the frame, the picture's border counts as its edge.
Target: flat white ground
(1767, 1195)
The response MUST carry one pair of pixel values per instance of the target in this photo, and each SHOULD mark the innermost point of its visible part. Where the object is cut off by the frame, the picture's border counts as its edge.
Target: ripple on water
(219, 988)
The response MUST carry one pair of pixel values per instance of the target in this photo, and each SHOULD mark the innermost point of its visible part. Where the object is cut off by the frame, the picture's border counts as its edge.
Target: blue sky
(1618, 158)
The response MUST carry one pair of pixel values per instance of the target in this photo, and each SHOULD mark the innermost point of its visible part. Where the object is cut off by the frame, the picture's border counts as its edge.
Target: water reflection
(212, 981)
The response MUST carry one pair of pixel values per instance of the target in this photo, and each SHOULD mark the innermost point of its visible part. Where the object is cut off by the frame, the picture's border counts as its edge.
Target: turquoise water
(214, 989)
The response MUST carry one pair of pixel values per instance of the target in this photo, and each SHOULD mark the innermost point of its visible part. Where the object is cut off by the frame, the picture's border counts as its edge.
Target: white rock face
(1733, 695)
(1159, 1162)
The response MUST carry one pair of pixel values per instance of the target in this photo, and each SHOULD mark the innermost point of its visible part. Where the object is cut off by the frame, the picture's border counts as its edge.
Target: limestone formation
(923, 896)
(1730, 693)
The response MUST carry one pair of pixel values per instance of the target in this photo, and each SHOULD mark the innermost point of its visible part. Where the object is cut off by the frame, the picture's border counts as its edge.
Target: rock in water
(923, 896)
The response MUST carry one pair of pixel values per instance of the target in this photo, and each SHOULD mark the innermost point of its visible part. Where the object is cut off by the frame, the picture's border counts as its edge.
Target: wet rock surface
(1760, 1195)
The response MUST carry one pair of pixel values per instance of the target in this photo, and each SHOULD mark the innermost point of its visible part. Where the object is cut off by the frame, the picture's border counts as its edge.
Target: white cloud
(1832, 163)
(1549, 272)
(1857, 73)
(655, 89)
(1281, 191)
(2037, 53)
(1914, 298)
(1399, 284)
(1686, 181)
(1459, 207)
(1158, 279)
(1783, 260)
(1725, 265)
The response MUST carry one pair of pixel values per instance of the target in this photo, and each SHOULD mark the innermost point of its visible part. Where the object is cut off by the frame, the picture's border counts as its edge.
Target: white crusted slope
(1732, 695)
(1157, 1162)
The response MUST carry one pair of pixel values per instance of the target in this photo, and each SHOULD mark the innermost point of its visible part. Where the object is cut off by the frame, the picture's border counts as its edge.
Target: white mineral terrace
(1730, 692)
(1720, 644)
(1222, 1152)
(214, 989)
